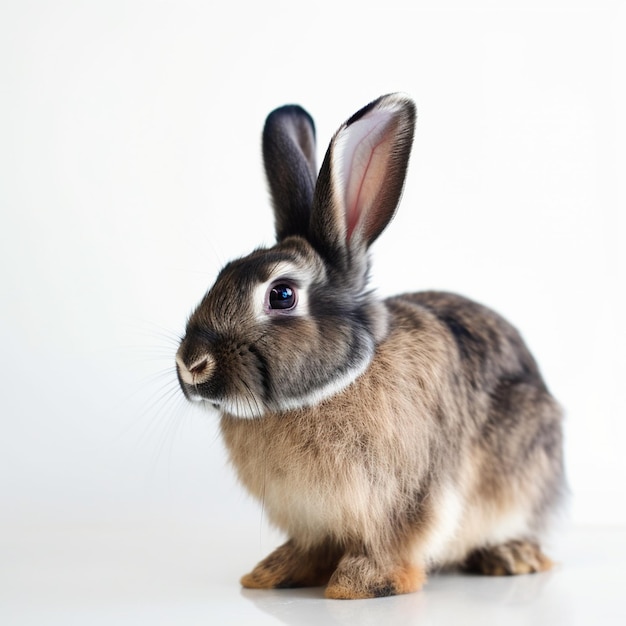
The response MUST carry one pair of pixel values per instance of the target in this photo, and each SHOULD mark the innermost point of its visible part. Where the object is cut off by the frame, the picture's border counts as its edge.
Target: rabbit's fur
(384, 437)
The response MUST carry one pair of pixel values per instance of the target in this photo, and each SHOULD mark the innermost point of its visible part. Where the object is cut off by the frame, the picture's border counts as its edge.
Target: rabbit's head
(288, 326)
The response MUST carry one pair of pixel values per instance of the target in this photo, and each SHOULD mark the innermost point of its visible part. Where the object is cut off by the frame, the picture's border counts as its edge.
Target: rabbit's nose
(197, 372)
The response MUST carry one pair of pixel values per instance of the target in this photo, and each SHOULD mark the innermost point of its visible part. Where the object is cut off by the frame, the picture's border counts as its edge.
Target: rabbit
(387, 438)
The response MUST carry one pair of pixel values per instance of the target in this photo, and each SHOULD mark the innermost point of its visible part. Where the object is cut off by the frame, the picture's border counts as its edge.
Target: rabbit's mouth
(244, 407)
(241, 408)
(193, 395)
(214, 404)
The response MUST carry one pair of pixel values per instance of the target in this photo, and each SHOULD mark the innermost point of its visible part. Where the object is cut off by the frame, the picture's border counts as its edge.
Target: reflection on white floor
(173, 575)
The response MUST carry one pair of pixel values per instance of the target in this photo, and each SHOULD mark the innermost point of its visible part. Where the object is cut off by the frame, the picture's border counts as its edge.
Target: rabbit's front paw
(290, 566)
(361, 577)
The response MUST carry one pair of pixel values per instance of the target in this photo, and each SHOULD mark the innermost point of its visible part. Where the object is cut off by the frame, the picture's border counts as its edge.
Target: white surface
(186, 575)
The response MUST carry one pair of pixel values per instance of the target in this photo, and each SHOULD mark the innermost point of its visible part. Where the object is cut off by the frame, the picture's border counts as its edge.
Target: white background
(130, 172)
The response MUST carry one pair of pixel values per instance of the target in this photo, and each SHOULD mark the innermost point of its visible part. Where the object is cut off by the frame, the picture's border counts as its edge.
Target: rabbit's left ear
(289, 158)
(362, 177)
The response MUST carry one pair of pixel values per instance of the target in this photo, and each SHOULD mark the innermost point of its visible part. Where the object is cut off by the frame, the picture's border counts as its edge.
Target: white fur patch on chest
(345, 507)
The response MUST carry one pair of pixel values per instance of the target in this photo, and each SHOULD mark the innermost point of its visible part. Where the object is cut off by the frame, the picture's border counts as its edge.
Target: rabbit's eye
(282, 297)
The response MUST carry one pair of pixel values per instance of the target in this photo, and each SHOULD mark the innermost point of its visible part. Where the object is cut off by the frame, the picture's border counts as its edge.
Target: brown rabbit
(384, 437)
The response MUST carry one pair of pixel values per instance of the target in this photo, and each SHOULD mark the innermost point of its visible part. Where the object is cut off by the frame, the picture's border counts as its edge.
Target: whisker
(168, 437)
(160, 411)
(251, 399)
(152, 329)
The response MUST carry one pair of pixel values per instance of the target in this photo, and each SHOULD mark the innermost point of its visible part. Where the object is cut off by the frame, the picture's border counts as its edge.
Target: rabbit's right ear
(362, 177)
(289, 158)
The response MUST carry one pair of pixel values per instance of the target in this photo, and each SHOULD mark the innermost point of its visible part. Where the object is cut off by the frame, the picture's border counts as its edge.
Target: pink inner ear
(363, 152)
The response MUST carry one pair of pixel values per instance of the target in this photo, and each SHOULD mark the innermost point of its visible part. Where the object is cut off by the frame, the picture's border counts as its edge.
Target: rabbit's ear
(362, 177)
(289, 157)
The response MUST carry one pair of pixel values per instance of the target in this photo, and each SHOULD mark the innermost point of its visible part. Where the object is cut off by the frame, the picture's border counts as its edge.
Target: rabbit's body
(434, 474)
(384, 437)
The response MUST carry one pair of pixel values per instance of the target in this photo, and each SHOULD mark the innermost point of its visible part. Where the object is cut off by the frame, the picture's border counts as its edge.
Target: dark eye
(282, 297)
